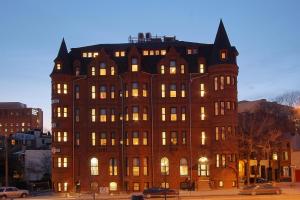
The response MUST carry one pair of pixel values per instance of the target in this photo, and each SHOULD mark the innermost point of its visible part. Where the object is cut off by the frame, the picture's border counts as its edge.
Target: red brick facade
(119, 129)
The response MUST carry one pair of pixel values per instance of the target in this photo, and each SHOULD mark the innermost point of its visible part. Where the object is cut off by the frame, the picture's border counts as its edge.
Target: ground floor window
(113, 186)
(65, 186)
(136, 186)
(221, 184)
(285, 171)
(165, 185)
(203, 168)
(59, 187)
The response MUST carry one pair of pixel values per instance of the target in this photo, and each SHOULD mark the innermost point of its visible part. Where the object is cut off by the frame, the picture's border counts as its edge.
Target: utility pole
(6, 160)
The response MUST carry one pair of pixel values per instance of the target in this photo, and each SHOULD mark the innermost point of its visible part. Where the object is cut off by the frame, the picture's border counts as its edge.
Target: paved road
(218, 197)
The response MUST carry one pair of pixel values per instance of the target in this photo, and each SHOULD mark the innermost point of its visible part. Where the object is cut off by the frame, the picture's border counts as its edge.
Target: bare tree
(289, 98)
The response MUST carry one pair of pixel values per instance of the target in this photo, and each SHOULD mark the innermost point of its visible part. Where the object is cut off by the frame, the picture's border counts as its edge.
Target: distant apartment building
(17, 117)
(155, 111)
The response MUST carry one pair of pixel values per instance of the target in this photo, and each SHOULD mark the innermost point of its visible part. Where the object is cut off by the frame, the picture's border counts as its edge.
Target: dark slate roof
(210, 52)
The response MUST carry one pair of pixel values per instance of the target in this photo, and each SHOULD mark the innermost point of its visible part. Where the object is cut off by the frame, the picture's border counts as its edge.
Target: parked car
(160, 192)
(12, 192)
(261, 189)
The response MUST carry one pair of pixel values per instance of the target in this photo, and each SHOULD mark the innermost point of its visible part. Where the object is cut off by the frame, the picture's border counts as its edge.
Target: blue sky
(266, 34)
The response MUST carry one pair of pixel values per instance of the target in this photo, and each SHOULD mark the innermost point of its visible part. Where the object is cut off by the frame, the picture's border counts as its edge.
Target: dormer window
(102, 69)
(134, 64)
(223, 54)
(172, 67)
(58, 66)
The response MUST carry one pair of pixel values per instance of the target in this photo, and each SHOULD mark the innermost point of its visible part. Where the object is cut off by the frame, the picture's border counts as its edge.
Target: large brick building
(155, 111)
(17, 117)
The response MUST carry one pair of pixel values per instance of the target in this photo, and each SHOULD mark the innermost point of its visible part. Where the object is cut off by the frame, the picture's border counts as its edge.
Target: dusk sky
(266, 34)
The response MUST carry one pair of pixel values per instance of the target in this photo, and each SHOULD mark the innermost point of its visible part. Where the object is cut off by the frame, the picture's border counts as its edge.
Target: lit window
(183, 114)
(77, 90)
(216, 108)
(136, 167)
(112, 70)
(95, 54)
(163, 52)
(173, 114)
(136, 186)
(228, 105)
(93, 92)
(182, 90)
(58, 66)
(163, 114)
(217, 160)
(183, 137)
(65, 164)
(183, 167)
(182, 69)
(203, 138)
(222, 83)
(134, 65)
(103, 140)
(145, 138)
(113, 186)
(93, 115)
(162, 69)
(217, 133)
(84, 54)
(201, 68)
(135, 138)
(135, 89)
(112, 92)
(165, 185)
(58, 137)
(113, 167)
(151, 52)
(189, 51)
(145, 166)
(145, 114)
(145, 90)
(172, 67)
(145, 53)
(221, 183)
(102, 69)
(103, 115)
(65, 112)
(164, 166)
(202, 109)
(275, 156)
(113, 139)
(59, 187)
(122, 53)
(93, 71)
(126, 114)
(90, 54)
(94, 166)
(157, 52)
(163, 90)
(126, 90)
(135, 113)
(112, 115)
(117, 54)
(102, 92)
(223, 133)
(65, 137)
(228, 78)
(174, 139)
(65, 186)
(93, 137)
(285, 155)
(163, 138)
(222, 107)
(173, 90)
(59, 162)
(58, 88)
(202, 90)
(223, 55)
(223, 160)
(216, 83)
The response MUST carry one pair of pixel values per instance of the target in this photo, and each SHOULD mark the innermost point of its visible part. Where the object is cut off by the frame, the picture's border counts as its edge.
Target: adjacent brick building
(155, 111)
(16, 117)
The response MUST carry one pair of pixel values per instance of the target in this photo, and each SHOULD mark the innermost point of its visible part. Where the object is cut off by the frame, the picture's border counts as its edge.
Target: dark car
(261, 189)
(160, 192)
(258, 180)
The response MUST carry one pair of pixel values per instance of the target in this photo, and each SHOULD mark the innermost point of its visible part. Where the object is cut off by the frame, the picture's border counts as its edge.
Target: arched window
(203, 167)
(183, 167)
(113, 186)
(94, 166)
(164, 166)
